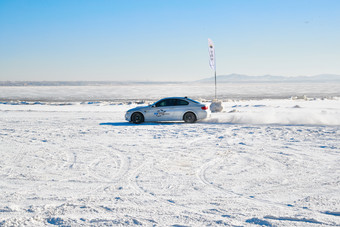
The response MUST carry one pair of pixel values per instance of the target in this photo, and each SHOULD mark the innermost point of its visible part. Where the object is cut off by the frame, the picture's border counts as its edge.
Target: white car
(169, 109)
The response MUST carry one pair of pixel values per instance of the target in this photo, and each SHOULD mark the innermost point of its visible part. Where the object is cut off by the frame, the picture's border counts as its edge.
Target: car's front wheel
(137, 118)
(189, 117)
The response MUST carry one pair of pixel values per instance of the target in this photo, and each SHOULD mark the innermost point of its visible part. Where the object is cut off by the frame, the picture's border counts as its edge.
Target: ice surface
(123, 92)
(270, 162)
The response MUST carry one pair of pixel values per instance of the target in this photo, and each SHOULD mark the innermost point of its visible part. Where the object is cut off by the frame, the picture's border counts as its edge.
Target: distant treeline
(75, 83)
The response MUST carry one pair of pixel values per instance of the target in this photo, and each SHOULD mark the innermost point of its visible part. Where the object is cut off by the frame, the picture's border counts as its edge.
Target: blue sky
(166, 40)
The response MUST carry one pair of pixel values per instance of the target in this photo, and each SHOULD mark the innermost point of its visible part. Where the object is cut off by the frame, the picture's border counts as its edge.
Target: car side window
(180, 102)
(170, 102)
(166, 102)
(161, 103)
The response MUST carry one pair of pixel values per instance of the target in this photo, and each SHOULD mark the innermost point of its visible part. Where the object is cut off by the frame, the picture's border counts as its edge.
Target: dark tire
(137, 118)
(189, 117)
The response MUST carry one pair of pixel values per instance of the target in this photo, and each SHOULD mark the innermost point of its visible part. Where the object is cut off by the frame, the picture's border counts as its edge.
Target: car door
(163, 110)
(181, 106)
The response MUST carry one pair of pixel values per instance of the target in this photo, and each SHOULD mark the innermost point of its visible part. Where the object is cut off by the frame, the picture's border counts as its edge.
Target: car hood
(138, 108)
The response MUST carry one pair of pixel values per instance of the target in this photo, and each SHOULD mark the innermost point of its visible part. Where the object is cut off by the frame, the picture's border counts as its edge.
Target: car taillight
(204, 107)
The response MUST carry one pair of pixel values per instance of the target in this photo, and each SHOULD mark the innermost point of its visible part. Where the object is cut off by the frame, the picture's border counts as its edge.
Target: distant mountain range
(238, 78)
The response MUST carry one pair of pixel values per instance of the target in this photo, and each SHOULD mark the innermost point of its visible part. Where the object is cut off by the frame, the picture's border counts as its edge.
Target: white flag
(211, 54)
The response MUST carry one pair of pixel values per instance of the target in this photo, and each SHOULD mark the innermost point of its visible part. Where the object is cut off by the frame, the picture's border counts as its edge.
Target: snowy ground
(265, 162)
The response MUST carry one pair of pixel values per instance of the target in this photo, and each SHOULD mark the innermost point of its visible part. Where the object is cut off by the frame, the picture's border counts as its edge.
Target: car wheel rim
(137, 118)
(189, 118)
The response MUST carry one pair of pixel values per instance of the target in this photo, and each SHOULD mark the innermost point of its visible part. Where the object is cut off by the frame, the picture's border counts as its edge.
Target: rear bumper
(203, 115)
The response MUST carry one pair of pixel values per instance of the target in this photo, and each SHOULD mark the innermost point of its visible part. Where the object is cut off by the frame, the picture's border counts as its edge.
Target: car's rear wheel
(189, 117)
(137, 118)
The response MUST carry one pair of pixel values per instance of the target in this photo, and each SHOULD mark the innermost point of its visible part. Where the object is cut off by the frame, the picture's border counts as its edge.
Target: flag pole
(215, 86)
(215, 75)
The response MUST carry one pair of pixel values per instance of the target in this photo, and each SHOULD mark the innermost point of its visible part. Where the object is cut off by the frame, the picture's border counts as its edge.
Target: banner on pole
(211, 54)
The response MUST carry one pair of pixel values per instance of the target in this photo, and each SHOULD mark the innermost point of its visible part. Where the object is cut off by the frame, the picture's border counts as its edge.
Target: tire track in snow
(39, 161)
(202, 175)
(135, 183)
(121, 163)
(213, 162)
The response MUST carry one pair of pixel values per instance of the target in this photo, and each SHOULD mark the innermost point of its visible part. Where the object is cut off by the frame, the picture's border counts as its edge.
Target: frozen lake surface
(123, 92)
(269, 162)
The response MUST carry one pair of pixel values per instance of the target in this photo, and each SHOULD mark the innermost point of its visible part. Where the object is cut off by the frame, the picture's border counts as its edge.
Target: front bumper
(128, 116)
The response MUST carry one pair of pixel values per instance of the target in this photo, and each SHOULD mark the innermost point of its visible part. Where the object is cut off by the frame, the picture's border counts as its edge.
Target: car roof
(175, 98)
(184, 98)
